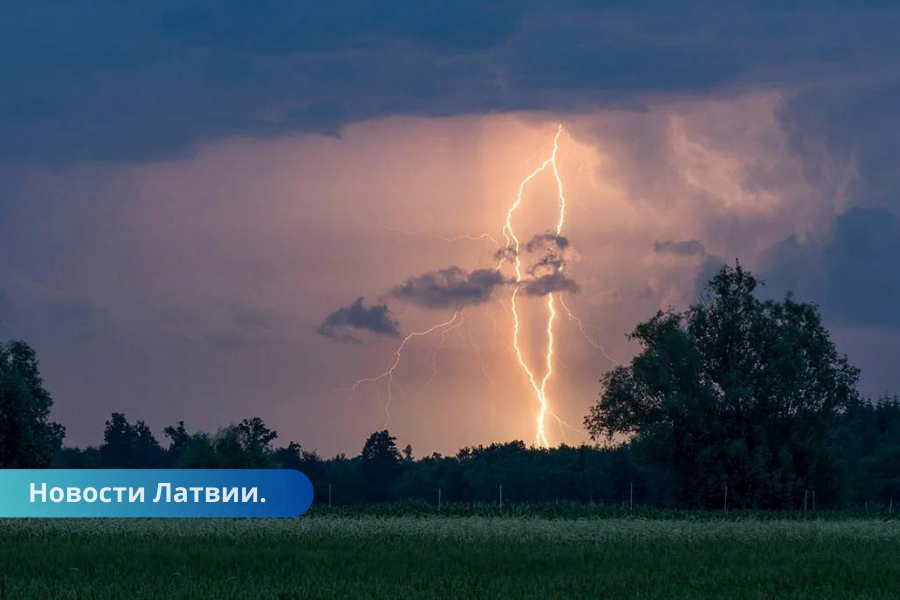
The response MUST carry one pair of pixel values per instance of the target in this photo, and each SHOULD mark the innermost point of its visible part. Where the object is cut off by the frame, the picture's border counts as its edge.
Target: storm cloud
(547, 240)
(163, 163)
(549, 283)
(452, 287)
(682, 248)
(168, 76)
(346, 322)
(854, 272)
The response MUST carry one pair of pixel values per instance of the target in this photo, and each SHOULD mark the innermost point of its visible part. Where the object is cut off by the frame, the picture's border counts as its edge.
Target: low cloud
(344, 323)
(546, 272)
(547, 240)
(552, 282)
(682, 248)
(452, 287)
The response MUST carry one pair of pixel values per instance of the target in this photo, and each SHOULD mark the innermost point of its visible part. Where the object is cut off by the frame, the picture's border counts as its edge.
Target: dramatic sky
(194, 196)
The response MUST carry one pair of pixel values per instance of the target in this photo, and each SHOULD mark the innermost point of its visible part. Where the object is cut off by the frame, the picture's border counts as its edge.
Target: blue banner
(154, 493)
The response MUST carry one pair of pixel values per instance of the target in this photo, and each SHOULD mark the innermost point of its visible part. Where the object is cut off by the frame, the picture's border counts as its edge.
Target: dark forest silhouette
(736, 392)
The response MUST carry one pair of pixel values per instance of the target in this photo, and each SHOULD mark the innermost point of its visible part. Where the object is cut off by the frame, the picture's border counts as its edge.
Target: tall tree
(736, 392)
(381, 466)
(28, 439)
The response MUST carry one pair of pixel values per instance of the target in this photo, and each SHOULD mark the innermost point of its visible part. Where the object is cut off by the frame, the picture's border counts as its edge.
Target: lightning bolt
(388, 374)
(586, 334)
(510, 252)
(446, 238)
(477, 351)
(434, 368)
(512, 241)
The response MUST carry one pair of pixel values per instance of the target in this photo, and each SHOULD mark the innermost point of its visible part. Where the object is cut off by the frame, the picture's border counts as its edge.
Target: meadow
(394, 554)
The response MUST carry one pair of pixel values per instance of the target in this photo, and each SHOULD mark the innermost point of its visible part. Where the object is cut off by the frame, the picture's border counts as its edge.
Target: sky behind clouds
(190, 191)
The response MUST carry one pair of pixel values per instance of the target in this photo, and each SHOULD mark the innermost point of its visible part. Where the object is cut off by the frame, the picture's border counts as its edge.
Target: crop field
(400, 557)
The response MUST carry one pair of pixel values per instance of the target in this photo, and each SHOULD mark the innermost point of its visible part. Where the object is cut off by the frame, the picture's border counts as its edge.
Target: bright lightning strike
(509, 252)
(540, 390)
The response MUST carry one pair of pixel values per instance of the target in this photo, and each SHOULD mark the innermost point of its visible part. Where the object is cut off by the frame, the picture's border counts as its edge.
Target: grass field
(450, 557)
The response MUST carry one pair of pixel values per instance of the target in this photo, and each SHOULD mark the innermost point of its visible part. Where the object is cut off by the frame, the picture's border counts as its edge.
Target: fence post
(439, 499)
(501, 497)
(805, 494)
(814, 500)
(725, 506)
(631, 497)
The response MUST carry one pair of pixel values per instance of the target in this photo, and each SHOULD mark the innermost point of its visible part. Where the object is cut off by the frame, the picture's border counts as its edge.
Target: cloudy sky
(213, 210)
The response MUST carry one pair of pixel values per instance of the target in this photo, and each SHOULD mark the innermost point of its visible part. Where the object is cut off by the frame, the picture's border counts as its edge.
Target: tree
(381, 466)
(246, 445)
(128, 446)
(256, 437)
(309, 463)
(28, 439)
(737, 391)
(199, 453)
(867, 446)
(179, 439)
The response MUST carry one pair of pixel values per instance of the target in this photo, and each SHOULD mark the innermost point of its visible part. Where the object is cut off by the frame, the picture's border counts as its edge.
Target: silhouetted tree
(77, 458)
(246, 445)
(293, 456)
(867, 446)
(28, 439)
(178, 439)
(128, 446)
(289, 457)
(737, 391)
(199, 453)
(256, 437)
(380, 464)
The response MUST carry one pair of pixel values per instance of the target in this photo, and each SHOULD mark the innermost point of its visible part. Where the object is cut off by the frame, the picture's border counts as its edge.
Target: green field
(450, 557)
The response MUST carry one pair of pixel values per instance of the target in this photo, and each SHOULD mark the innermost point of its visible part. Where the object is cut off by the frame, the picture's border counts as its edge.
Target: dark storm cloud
(119, 81)
(549, 283)
(545, 273)
(449, 288)
(344, 323)
(550, 262)
(854, 273)
(682, 248)
(856, 124)
(553, 248)
(547, 240)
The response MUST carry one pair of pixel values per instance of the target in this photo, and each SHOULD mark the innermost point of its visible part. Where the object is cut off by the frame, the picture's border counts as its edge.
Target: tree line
(736, 393)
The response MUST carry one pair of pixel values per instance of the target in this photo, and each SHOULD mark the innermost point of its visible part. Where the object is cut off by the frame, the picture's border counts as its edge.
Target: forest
(737, 397)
